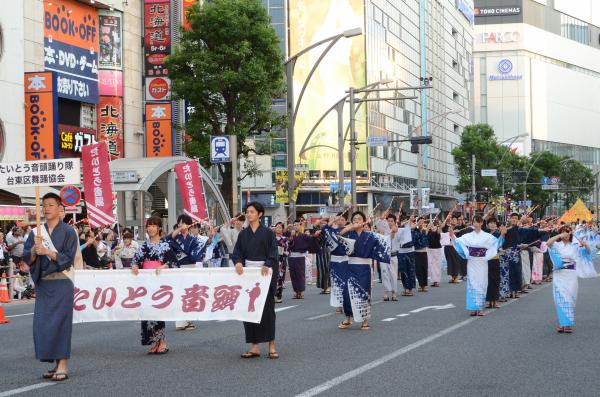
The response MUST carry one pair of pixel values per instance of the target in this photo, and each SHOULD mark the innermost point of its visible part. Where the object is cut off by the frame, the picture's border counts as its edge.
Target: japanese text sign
(71, 48)
(110, 125)
(175, 294)
(41, 116)
(72, 139)
(192, 191)
(97, 185)
(40, 173)
(157, 36)
(159, 133)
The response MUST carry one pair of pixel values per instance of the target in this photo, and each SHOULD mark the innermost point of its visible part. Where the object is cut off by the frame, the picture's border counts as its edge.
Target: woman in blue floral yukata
(154, 253)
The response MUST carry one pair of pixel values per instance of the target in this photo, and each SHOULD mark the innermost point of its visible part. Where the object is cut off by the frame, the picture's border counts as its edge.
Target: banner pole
(37, 211)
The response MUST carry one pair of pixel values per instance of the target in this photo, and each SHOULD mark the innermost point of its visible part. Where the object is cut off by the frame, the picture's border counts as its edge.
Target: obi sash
(151, 265)
(476, 252)
(254, 263)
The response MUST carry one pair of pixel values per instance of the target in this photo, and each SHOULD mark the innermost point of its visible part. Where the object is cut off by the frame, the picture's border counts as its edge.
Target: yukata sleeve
(461, 249)
(66, 258)
(138, 258)
(272, 259)
(238, 252)
(28, 249)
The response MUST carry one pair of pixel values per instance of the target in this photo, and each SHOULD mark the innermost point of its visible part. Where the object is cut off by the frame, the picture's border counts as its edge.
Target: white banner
(174, 294)
(57, 172)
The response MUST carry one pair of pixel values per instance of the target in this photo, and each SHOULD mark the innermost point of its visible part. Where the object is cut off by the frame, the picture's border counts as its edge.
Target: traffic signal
(420, 140)
(414, 148)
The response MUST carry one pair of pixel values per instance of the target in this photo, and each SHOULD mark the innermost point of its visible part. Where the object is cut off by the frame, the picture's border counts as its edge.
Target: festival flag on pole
(97, 184)
(192, 190)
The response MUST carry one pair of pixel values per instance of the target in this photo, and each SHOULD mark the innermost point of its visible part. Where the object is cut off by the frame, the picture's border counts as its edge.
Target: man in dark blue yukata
(50, 255)
(189, 250)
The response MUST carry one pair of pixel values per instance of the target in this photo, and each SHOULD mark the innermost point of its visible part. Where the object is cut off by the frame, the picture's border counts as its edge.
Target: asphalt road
(411, 349)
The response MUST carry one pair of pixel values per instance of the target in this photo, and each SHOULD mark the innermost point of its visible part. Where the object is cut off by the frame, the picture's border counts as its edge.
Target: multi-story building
(403, 42)
(537, 68)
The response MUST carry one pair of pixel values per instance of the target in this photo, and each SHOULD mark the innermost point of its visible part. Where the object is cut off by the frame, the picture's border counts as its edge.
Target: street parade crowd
(496, 260)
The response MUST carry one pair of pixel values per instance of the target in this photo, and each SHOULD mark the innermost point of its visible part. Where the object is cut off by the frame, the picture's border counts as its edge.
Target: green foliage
(229, 67)
(479, 140)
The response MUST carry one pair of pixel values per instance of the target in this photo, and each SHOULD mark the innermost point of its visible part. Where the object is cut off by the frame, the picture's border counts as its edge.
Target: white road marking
(389, 319)
(280, 309)
(402, 315)
(25, 389)
(19, 315)
(422, 309)
(321, 316)
(376, 363)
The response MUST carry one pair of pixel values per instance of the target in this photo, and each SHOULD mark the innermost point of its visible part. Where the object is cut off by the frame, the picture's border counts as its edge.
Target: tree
(229, 67)
(478, 140)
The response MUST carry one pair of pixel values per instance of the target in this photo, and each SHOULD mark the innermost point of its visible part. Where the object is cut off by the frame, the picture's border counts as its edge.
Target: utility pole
(597, 194)
(234, 173)
(352, 146)
(473, 192)
(341, 153)
(291, 149)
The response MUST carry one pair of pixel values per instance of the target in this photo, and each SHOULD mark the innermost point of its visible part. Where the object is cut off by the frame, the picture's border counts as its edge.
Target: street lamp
(353, 140)
(512, 140)
(527, 177)
(292, 109)
(339, 108)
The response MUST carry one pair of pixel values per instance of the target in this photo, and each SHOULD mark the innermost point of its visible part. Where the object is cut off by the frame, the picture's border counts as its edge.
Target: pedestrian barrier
(3, 319)
(4, 297)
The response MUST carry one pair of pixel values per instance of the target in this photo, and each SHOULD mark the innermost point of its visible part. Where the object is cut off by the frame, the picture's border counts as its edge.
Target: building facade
(399, 47)
(538, 74)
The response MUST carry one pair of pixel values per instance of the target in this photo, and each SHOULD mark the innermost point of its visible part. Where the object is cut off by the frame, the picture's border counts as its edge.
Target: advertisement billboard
(184, 18)
(110, 125)
(72, 139)
(159, 132)
(342, 67)
(71, 48)
(41, 116)
(157, 36)
(111, 40)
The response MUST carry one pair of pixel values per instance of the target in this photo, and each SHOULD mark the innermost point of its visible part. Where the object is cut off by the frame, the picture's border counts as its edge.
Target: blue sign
(545, 180)
(76, 69)
(466, 10)
(220, 149)
(505, 66)
(334, 187)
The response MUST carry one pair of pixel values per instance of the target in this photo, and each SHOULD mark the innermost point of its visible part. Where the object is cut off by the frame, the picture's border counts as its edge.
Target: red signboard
(192, 191)
(110, 125)
(41, 116)
(159, 132)
(157, 36)
(184, 20)
(97, 185)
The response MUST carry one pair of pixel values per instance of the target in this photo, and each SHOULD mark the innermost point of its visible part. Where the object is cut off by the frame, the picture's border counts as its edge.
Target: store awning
(27, 194)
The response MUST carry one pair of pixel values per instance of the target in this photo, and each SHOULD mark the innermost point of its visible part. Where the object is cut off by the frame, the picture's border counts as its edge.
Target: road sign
(220, 149)
(377, 141)
(73, 210)
(554, 180)
(70, 196)
(545, 180)
(489, 172)
(550, 187)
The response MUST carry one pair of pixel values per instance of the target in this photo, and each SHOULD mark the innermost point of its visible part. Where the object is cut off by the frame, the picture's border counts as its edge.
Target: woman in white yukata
(477, 247)
(566, 255)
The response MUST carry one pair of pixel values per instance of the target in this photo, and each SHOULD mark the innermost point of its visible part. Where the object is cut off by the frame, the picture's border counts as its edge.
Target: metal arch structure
(160, 170)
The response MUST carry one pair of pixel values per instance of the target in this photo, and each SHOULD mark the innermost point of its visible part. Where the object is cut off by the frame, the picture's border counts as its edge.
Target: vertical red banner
(41, 116)
(159, 132)
(192, 190)
(110, 125)
(185, 21)
(157, 36)
(97, 184)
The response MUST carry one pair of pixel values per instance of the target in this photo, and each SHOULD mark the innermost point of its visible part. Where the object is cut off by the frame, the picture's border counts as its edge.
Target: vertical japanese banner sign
(159, 132)
(41, 116)
(110, 106)
(192, 190)
(414, 199)
(97, 185)
(71, 48)
(157, 36)
(184, 20)
(110, 125)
